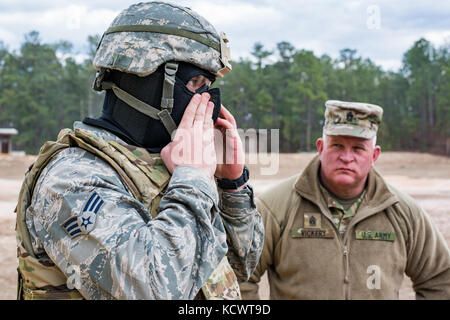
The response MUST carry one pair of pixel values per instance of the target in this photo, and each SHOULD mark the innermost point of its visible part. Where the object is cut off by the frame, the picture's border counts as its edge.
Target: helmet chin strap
(163, 115)
(170, 69)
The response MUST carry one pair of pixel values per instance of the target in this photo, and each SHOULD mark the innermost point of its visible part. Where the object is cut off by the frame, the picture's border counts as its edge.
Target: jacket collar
(377, 198)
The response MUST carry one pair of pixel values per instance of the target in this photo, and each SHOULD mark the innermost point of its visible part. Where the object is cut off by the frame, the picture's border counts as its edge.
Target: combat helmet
(148, 35)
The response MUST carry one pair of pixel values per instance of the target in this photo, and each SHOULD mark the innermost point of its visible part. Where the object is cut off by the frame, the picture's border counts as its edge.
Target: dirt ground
(425, 177)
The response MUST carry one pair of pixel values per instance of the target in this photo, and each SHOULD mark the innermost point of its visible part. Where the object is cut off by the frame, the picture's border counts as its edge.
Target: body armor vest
(145, 176)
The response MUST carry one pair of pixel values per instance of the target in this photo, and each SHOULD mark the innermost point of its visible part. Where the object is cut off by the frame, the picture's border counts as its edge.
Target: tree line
(43, 89)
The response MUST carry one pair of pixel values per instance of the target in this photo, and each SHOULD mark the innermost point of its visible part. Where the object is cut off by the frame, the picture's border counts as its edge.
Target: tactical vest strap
(46, 153)
(50, 293)
(19, 285)
(83, 141)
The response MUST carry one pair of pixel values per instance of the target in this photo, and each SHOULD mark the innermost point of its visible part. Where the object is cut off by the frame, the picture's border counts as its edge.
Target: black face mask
(182, 95)
(138, 129)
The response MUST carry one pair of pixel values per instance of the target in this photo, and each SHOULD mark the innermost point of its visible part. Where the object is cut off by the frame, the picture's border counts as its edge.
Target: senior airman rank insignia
(83, 224)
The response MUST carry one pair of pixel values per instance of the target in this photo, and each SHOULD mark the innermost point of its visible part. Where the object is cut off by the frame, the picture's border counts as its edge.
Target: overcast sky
(379, 30)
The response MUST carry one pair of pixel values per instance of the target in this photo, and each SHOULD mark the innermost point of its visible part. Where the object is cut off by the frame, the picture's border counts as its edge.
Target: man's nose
(346, 155)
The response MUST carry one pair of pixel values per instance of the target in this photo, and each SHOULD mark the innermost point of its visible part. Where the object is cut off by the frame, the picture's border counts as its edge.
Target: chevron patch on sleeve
(83, 224)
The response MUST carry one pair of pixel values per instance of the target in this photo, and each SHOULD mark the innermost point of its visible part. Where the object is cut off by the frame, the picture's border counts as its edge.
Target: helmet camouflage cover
(146, 35)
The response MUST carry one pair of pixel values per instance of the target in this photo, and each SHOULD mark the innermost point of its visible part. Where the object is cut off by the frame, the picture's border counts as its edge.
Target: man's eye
(199, 81)
(193, 82)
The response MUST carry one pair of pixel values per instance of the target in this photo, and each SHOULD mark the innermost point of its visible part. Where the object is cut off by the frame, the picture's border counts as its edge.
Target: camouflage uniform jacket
(341, 217)
(389, 236)
(124, 252)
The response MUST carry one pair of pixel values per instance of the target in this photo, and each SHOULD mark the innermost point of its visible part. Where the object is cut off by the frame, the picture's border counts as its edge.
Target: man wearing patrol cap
(352, 119)
(339, 231)
(117, 208)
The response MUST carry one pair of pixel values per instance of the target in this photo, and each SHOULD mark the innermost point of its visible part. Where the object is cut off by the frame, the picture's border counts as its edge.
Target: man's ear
(376, 154)
(319, 145)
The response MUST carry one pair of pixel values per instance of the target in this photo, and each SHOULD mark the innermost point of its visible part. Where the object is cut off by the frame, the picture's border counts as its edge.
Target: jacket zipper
(345, 255)
(346, 277)
(345, 252)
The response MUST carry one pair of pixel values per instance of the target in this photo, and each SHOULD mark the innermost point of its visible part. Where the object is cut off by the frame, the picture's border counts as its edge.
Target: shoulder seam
(269, 211)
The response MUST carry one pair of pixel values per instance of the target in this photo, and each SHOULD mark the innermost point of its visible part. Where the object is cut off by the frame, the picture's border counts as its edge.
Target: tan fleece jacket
(390, 235)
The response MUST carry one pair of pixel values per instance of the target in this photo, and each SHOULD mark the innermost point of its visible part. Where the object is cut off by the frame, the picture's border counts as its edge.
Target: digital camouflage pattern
(241, 230)
(128, 254)
(352, 119)
(142, 52)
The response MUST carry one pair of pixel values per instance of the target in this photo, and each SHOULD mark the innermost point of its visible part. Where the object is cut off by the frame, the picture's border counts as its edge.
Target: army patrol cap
(355, 119)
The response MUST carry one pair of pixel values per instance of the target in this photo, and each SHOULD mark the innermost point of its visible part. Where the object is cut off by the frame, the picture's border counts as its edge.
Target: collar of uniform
(336, 207)
(329, 200)
(99, 132)
(334, 202)
(377, 194)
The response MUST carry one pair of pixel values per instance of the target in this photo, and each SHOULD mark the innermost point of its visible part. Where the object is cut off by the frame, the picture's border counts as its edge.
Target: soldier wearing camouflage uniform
(107, 211)
(339, 231)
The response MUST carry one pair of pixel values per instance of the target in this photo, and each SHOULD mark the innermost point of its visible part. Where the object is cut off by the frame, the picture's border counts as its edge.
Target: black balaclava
(139, 129)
